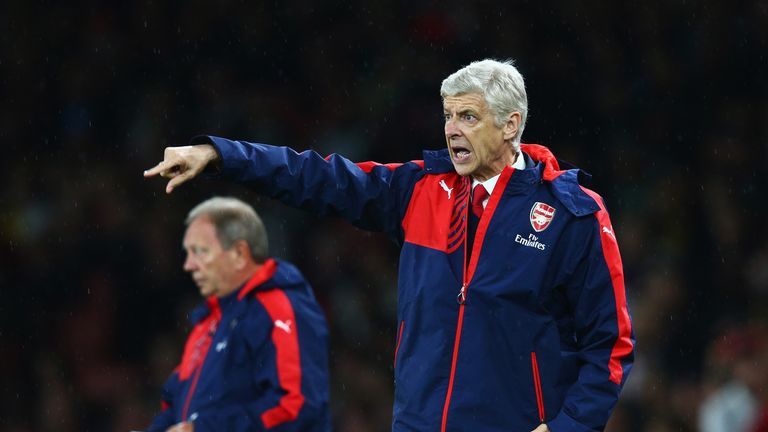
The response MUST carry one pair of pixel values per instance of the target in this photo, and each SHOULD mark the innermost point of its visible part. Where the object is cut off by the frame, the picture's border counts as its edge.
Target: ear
(242, 254)
(510, 128)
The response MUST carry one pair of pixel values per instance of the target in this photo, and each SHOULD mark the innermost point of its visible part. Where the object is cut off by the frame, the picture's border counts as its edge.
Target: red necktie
(479, 194)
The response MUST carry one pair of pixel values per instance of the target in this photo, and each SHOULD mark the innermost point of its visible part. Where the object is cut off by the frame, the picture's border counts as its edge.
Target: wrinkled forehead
(200, 231)
(465, 101)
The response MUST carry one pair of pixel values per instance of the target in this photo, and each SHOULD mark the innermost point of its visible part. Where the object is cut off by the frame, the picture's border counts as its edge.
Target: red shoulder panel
(369, 166)
(436, 212)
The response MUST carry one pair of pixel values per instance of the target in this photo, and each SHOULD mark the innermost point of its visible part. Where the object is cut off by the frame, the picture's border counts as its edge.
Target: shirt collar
(491, 182)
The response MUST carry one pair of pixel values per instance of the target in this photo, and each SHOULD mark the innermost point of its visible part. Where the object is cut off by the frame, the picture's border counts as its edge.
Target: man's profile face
(211, 267)
(476, 145)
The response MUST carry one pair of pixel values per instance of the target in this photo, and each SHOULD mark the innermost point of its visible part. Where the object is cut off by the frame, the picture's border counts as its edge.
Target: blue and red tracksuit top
(255, 360)
(532, 326)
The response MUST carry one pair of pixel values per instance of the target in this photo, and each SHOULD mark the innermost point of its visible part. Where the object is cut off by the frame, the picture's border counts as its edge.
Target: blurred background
(665, 103)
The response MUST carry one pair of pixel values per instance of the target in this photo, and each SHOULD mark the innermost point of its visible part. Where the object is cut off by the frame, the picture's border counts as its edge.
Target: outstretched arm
(180, 164)
(371, 196)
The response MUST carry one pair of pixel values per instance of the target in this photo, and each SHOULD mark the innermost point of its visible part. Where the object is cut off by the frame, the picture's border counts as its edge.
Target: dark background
(665, 103)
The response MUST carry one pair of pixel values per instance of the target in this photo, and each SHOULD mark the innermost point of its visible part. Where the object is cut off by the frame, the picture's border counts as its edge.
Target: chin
(462, 170)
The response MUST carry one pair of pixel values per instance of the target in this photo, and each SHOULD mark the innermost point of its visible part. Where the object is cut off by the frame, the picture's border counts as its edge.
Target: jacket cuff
(201, 425)
(565, 423)
(213, 170)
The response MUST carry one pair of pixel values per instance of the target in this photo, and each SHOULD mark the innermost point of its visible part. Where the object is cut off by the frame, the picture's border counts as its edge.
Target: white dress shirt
(491, 182)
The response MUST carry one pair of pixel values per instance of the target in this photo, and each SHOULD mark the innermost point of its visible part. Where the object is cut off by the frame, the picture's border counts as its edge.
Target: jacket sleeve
(278, 402)
(369, 195)
(604, 333)
(164, 419)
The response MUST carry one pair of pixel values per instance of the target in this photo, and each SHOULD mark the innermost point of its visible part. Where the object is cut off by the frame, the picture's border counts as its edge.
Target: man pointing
(512, 312)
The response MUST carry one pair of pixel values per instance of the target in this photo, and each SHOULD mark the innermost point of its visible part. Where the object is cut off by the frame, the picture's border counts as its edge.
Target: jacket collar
(537, 166)
(216, 305)
(264, 274)
(541, 165)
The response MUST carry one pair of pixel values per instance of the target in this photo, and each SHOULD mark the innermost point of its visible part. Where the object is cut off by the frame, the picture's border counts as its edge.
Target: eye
(446, 117)
(469, 117)
(197, 251)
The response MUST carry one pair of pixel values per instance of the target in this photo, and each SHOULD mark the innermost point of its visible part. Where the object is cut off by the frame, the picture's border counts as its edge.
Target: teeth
(462, 153)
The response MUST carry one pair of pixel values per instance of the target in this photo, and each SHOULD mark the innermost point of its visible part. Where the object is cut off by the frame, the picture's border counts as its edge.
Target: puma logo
(445, 188)
(283, 325)
(609, 232)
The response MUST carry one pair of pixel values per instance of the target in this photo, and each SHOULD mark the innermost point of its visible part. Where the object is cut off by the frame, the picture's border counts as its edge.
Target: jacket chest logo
(541, 216)
(445, 188)
(284, 325)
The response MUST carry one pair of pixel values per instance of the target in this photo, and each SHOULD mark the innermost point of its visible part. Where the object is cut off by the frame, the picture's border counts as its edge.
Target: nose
(451, 130)
(190, 264)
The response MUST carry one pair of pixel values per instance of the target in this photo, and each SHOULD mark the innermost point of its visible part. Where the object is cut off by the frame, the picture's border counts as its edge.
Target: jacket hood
(272, 274)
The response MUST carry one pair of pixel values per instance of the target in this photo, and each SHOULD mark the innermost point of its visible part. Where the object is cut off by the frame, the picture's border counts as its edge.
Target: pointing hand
(182, 163)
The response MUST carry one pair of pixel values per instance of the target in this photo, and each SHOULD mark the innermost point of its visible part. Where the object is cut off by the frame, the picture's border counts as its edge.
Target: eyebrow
(469, 110)
(463, 111)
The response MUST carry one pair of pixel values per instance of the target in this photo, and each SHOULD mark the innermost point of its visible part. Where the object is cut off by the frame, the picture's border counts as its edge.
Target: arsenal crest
(541, 216)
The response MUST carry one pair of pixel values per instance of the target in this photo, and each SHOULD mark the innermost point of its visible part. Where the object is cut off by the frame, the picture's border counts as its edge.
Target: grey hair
(499, 82)
(234, 220)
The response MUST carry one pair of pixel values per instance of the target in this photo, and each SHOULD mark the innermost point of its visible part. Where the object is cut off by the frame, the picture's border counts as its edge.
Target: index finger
(159, 168)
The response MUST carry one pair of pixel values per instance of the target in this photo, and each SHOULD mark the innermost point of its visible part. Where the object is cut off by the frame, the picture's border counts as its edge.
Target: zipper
(191, 391)
(453, 368)
(193, 387)
(461, 298)
(537, 386)
(397, 345)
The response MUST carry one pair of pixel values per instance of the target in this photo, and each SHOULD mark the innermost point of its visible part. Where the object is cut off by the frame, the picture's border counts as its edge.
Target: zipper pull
(462, 297)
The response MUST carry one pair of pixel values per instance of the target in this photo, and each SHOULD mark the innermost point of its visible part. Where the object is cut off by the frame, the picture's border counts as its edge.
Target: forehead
(201, 230)
(461, 102)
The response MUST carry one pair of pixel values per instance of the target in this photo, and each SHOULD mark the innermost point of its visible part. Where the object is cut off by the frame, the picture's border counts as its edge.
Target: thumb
(178, 181)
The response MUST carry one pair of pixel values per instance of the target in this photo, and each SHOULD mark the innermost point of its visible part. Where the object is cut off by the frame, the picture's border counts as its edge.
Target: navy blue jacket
(532, 326)
(255, 360)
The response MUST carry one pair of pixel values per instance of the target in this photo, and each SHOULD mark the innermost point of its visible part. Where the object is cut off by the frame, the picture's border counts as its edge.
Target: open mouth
(460, 153)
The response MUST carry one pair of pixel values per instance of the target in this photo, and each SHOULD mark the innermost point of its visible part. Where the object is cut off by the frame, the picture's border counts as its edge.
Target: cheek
(206, 264)
(480, 145)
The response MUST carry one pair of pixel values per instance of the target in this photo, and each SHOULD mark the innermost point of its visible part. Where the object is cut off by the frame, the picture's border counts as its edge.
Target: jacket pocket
(397, 344)
(537, 386)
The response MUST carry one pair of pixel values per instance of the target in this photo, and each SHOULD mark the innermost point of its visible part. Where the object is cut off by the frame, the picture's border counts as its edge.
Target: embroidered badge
(541, 216)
